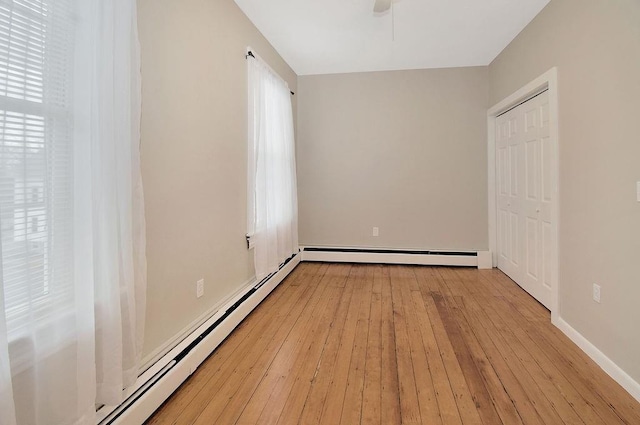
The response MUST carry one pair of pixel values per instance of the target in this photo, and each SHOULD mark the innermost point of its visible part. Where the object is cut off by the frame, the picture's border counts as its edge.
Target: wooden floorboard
(377, 344)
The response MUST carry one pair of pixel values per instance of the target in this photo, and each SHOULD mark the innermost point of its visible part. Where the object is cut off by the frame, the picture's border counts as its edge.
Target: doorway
(523, 188)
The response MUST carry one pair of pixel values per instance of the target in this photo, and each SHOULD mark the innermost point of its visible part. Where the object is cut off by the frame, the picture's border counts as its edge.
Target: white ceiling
(337, 36)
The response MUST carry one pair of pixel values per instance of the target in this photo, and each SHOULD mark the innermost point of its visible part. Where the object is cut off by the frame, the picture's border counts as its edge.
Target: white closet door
(524, 203)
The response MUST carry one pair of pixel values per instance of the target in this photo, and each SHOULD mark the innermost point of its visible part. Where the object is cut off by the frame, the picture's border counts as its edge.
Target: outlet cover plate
(596, 293)
(200, 288)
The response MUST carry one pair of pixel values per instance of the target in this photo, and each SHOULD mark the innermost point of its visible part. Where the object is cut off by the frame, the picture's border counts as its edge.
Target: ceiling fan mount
(382, 6)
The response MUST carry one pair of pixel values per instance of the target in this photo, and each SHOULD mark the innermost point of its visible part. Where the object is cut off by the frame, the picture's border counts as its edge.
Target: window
(72, 267)
(35, 193)
(35, 156)
(272, 191)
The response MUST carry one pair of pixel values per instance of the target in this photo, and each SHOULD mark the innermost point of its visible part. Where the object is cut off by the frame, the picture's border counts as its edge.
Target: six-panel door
(524, 196)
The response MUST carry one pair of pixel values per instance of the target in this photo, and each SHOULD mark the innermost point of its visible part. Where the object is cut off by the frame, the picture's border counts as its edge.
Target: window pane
(35, 159)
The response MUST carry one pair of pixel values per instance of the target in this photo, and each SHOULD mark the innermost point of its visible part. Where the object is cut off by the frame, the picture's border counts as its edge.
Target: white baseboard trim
(156, 384)
(608, 365)
(153, 360)
(480, 259)
(485, 260)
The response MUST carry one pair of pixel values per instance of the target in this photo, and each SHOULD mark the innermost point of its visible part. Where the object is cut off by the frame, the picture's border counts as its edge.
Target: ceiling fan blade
(381, 6)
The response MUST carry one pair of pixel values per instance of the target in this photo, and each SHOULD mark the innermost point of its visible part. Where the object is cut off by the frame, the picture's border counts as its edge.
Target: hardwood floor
(373, 344)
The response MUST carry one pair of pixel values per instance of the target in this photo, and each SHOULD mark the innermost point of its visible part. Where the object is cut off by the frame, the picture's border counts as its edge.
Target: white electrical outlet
(596, 293)
(199, 288)
(376, 231)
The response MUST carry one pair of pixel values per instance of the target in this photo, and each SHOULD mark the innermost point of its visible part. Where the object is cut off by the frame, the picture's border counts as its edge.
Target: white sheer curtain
(73, 269)
(273, 203)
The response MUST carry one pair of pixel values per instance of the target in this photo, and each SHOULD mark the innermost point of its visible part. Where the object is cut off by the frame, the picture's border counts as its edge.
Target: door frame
(547, 81)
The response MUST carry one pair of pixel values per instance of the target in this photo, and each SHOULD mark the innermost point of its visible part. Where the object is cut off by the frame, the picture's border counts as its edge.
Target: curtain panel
(273, 202)
(73, 269)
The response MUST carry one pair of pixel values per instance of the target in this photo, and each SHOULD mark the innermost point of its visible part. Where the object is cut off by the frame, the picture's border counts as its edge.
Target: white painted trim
(150, 400)
(153, 363)
(608, 365)
(485, 260)
(391, 258)
(548, 80)
(491, 190)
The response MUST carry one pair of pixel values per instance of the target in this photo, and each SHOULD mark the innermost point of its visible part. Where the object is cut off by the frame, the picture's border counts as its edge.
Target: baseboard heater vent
(390, 251)
(152, 390)
(395, 256)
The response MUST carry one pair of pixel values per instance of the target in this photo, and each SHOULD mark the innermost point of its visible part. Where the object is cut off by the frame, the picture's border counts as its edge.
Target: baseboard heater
(156, 384)
(480, 259)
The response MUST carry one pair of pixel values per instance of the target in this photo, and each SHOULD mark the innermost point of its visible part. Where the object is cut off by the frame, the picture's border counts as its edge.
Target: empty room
(319, 212)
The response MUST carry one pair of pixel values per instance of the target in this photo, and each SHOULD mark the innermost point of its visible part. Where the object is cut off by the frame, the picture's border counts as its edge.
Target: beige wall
(194, 155)
(596, 46)
(404, 151)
